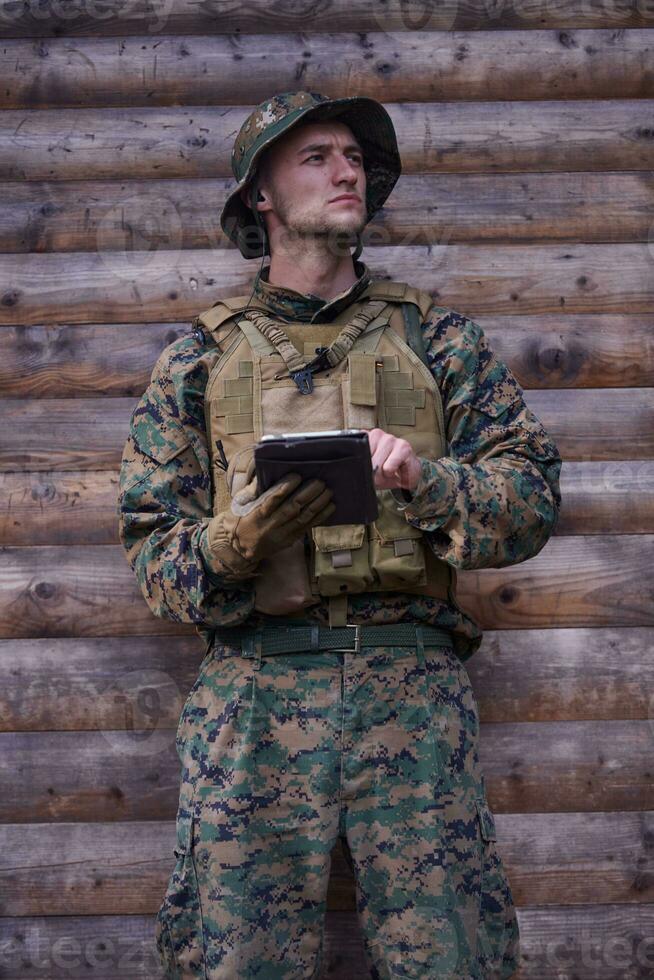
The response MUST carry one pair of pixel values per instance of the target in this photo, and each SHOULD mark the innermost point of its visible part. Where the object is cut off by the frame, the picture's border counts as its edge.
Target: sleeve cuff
(432, 500)
(220, 559)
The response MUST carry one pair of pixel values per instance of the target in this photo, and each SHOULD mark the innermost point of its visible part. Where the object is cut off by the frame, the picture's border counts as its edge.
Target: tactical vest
(373, 379)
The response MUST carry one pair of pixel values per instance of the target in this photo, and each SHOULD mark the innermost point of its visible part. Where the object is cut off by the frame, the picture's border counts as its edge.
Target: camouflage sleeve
(494, 499)
(164, 507)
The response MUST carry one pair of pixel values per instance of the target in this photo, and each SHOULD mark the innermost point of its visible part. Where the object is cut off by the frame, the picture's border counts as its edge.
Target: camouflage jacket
(493, 501)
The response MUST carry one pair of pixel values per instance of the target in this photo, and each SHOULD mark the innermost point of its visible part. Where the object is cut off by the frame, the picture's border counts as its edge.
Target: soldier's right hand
(258, 525)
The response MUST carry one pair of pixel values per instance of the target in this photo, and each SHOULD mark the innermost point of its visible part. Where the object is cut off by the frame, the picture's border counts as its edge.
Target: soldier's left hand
(393, 461)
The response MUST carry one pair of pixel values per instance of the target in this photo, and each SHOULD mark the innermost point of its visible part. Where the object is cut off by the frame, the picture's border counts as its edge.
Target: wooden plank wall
(527, 202)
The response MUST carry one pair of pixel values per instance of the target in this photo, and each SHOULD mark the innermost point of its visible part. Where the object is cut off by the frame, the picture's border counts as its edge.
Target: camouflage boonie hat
(369, 122)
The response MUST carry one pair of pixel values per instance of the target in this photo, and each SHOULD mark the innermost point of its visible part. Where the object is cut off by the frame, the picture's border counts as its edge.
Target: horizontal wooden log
(547, 351)
(592, 941)
(78, 684)
(607, 498)
(565, 674)
(427, 209)
(85, 868)
(529, 767)
(71, 507)
(92, 587)
(574, 581)
(73, 434)
(84, 684)
(597, 942)
(78, 361)
(596, 351)
(415, 66)
(484, 280)
(123, 868)
(588, 762)
(116, 947)
(224, 17)
(77, 507)
(438, 136)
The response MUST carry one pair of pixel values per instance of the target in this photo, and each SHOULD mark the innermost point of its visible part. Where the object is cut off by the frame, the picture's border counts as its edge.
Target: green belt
(311, 639)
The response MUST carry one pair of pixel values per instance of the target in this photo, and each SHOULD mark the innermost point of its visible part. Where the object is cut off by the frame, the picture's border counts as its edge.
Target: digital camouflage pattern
(492, 501)
(369, 122)
(283, 756)
(379, 748)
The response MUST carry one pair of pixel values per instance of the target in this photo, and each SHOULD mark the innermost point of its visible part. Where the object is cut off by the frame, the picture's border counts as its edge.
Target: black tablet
(341, 458)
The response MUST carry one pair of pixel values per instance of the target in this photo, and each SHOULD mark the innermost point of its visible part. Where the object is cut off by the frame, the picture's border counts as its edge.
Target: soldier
(333, 700)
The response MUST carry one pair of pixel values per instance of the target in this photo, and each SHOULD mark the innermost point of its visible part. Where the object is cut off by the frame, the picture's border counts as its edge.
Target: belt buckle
(357, 639)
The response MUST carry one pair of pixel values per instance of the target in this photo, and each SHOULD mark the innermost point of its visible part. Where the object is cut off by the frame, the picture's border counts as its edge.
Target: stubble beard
(300, 227)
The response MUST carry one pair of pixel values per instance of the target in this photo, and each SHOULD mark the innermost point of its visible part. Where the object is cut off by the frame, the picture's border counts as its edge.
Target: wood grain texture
(123, 868)
(425, 209)
(574, 582)
(42, 434)
(78, 507)
(80, 684)
(607, 498)
(526, 138)
(79, 361)
(484, 280)
(593, 940)
(468, 137)
(224, 17)
(122, 682)
(529, 767)
(182, 69)
(563, 674)
(121, 947)
(89, 591)
(547, 351)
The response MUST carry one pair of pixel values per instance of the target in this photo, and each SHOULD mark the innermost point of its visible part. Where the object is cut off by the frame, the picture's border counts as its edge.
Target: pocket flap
(486, 820)
(392, 525)
(162, 441)
(339, 537)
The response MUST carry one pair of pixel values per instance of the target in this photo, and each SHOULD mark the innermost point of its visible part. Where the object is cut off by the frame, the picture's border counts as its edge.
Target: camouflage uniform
(281, 757)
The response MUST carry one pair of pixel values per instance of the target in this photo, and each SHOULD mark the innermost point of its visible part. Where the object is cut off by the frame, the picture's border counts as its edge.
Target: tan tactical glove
(257, 527)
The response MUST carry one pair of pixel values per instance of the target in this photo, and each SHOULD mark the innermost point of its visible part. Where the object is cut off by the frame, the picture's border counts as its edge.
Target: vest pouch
(397, 555)
(282, 585)
(341, 559)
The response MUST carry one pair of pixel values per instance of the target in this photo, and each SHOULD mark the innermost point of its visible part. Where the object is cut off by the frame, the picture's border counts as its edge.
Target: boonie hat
(369, 122)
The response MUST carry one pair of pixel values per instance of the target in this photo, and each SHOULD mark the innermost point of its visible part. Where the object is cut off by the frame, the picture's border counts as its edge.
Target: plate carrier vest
(376, 376)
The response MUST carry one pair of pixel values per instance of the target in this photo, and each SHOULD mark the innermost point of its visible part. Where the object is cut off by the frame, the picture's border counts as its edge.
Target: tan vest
(376, 381)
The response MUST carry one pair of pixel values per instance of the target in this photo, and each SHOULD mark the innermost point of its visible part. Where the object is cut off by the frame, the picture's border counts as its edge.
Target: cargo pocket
(498, 938)
(341, 559)
(178, 928)
(397, 555)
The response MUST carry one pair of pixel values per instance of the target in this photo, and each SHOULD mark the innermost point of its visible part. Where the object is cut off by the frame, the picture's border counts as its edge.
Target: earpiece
(260, 197)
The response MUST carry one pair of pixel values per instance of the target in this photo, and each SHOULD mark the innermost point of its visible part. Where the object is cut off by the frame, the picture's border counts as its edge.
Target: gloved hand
(256, 527)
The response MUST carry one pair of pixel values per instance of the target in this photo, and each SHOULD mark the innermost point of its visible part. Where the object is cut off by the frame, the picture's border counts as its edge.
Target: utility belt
(257, 642)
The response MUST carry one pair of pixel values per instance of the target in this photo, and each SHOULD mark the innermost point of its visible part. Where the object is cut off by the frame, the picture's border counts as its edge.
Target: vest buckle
(304, 380)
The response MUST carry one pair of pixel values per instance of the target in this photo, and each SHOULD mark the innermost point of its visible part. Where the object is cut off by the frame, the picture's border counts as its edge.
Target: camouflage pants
(379, 747)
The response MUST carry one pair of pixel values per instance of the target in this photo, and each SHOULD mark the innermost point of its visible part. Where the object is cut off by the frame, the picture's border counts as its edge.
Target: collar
(289, 304)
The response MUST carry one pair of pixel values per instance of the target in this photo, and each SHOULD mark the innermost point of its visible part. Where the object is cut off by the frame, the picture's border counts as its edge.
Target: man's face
(315, 183)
